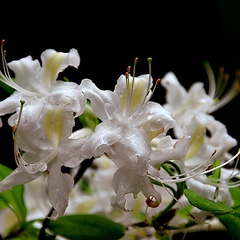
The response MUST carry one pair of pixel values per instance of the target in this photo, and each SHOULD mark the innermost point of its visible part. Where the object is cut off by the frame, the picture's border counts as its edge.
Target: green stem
(176, 194)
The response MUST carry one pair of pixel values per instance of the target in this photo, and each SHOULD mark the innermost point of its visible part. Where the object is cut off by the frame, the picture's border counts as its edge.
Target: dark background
(178, 35)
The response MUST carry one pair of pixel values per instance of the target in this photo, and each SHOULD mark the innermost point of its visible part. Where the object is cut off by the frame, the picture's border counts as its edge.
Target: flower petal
(54, 62)
(126, 180)
(10, 104)
(28, 74)
(176, 150)
(103, 104)
(18, 176)
(59, 186)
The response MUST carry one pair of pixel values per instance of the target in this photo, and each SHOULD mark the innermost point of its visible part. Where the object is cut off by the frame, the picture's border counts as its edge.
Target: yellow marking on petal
(155, 133)
(52, 66)
(196, 141)
(54, 125)
(136, 94)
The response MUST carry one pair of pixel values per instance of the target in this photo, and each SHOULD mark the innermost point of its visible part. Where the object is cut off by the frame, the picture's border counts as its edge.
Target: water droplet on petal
(151, 201)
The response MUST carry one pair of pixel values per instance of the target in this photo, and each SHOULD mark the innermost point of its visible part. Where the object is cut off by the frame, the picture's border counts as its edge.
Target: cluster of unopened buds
(121, 129)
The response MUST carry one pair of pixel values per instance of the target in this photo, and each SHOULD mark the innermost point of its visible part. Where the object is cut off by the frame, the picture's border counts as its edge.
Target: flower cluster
(131, 133)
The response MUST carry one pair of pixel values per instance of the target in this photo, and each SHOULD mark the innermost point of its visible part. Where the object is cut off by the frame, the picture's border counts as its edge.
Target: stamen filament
(196, 168)
(221, 82)
(223, 164)
(215, 91)
(150, 72)
(229, 96)
(30, 168)
(127, 91)
(211, 79)
(15, 127)
(6, 78)
(132, 86)
(177, 179)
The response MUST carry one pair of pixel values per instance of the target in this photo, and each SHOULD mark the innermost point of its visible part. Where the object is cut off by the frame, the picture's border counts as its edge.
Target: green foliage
(13, 198)
(6, 88)
(232, 221)
(229, 217)
(88, 118)
(85, 185)
(168, 213)
(216, 174)
(232, 224)
(205, 204)
(235, 192)
(87, 227)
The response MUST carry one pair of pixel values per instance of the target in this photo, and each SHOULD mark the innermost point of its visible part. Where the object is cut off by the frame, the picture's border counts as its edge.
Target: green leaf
(216, 174)
(87, 227)
(88, 118)
(232, 224)
(85, 186)
(235, 192)
(205, 204)
(13, 198)
(66, 79)
(237, 211)
(6, 88)
(232, 221)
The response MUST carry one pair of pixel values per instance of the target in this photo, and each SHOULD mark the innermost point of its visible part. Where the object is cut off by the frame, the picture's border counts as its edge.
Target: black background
(178, 35)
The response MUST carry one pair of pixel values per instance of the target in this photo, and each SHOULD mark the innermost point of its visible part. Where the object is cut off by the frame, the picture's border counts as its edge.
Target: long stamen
(6, 78)
(132, 86)
(223, 164)
(3, 54)
(127, 90)
(181, 178)
(229, 95)
(234, 174)
(221, 82)
(150, 72)
(211, 79)
(149, 93)
(199, 166)
(30, 168)
(15, 127)
(234, 168)
(155, 86)
(176, 179)
(215, 91)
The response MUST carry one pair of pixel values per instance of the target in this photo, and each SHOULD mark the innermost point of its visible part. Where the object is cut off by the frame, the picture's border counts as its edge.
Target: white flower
(209, 141)
(129, 122)
(207, 136)
(42, 126)
(179, 100)
(35, 83)
(165, 148)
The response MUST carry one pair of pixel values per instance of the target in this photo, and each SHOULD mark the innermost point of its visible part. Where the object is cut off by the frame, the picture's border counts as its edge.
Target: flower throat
(137, 91)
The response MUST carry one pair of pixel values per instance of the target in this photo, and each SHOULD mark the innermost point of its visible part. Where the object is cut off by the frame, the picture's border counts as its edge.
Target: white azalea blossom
(129, 122)
(209, 138)
(42, 126)
(179, 100)
(34, 81)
